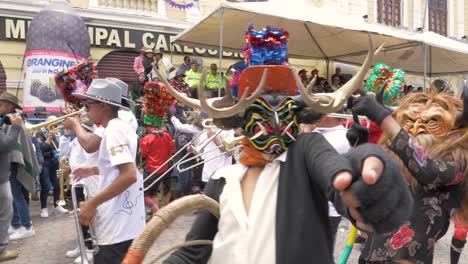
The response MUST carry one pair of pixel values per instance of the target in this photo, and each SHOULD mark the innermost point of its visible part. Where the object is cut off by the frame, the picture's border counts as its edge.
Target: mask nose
(418, 128)
(277, 123)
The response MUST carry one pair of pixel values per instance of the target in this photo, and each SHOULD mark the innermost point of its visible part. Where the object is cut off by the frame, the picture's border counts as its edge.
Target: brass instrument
(79, 230)
(189, 144)
(229, 146)
(63, 163)
(54, 126)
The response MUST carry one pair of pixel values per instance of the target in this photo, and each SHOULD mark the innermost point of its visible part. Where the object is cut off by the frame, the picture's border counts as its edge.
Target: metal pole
(327, 61)
(221, 33)
(424, 65)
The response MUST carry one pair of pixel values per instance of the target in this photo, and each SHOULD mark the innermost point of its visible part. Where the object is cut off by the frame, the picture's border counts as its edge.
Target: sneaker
(60, 210)
(22, 232)
(44, 213)
(73, 253)
(8, 255)
(11, 230)
(89, 255)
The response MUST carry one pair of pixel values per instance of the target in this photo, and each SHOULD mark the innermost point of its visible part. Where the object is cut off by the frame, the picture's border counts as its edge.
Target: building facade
(445, 17)
(119, 28)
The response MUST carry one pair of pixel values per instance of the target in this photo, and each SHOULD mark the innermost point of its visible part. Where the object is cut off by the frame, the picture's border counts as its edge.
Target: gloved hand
(384, 204)
(367, 105)
(357, 134)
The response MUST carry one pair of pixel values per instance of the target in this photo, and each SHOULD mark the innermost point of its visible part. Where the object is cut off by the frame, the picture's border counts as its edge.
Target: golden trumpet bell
(54, 125)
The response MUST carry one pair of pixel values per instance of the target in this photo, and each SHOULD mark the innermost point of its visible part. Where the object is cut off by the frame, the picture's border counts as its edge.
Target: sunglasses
(87, 104)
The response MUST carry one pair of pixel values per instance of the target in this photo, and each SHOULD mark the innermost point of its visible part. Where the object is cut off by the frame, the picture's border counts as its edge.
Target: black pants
(334, 223)
(112, 254)
(80, 197)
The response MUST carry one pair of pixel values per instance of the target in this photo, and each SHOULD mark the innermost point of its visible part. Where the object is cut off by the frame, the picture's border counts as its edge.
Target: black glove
(368, 106)
(357, 134)
(388, 203)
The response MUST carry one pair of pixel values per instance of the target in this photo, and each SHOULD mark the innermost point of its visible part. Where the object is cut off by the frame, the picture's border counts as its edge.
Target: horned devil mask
(268, 114)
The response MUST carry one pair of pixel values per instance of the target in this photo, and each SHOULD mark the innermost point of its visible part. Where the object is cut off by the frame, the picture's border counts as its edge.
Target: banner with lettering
(40, 67)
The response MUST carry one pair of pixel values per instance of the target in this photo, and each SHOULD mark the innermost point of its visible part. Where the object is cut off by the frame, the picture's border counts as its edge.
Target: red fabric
(250, 156)
(461, 229)
(375, 132)
(156, 148)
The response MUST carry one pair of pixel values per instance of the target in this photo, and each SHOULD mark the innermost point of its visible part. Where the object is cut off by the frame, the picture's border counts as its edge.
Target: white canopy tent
(322, 35)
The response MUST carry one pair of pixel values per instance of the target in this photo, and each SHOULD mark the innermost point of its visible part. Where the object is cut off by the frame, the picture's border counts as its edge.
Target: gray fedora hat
(8, 97)
(105, 91)
(123, 85)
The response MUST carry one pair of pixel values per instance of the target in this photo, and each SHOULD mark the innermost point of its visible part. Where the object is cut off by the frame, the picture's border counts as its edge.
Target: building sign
(15, 29)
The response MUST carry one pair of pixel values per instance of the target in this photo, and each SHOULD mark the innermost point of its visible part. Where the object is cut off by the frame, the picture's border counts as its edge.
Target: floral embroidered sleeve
(425, 169)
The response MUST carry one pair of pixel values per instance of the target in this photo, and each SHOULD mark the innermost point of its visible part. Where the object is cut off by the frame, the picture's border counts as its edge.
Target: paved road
(56, 234)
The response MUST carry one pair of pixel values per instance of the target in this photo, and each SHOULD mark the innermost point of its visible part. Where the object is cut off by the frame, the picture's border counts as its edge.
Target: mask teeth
(285, 130)
(262, 128)
(259, 134)
(291, 136)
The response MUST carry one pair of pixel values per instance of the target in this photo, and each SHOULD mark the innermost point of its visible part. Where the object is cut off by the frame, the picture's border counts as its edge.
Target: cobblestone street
(56, 235)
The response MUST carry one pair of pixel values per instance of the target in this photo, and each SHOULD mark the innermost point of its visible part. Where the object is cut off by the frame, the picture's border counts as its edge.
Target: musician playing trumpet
(49, 147)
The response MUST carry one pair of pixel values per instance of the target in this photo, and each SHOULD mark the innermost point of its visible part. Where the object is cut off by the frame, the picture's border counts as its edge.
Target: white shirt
(130, 118)
(336, 136)
(242, 238)
(126, 116)
(189, 129)
(123, 217)
(77, 157)
(212, 155)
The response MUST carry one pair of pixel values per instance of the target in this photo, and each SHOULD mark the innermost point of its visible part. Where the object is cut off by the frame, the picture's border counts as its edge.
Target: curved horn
(227, 111)
(311, 85)
(330, 103)
(179, 96)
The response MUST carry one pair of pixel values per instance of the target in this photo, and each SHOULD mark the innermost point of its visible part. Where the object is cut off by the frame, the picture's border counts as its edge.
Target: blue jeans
(20, 207)
(48, 176)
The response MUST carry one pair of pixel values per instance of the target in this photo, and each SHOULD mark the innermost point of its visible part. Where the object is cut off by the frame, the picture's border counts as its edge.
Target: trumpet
(79, 230)
(63, 163)
(54, 126)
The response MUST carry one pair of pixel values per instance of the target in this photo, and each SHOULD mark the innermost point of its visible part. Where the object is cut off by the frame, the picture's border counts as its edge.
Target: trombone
(53, 126)
(79, 230)
(173, 157)
(229, 146)
(63, 163)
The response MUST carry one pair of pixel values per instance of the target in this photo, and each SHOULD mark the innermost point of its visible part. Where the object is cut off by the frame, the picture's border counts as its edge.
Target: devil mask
(275, 117)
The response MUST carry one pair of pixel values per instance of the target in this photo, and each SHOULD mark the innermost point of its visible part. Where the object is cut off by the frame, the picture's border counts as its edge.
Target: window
(389, 12)
(438, 16)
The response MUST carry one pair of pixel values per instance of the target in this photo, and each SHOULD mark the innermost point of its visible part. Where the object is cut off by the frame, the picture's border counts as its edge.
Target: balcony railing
(149, 6)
